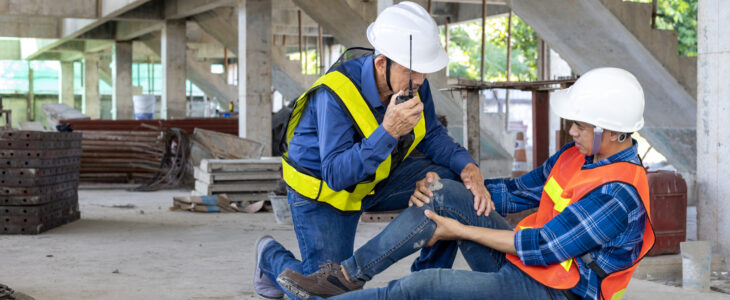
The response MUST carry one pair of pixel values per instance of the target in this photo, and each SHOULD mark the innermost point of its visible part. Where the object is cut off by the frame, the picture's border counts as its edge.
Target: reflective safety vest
(354, 104)
(567, 184)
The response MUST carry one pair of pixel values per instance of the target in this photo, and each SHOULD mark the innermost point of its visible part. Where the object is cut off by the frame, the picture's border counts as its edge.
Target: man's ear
(612, 136)
(380, 62)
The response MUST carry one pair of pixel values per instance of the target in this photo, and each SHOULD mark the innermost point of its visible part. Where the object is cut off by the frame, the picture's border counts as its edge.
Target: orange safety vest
(567, 184)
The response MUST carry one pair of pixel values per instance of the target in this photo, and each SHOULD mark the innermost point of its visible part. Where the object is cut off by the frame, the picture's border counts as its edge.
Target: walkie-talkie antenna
(403, 98)
(410, 66)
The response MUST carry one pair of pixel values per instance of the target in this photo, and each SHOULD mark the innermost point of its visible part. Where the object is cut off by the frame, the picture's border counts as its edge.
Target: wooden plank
(242, 165)
(245, 186)
(235, 176)
(229, 146)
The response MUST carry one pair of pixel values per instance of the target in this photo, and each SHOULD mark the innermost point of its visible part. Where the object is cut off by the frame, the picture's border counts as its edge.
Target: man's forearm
(500, 240)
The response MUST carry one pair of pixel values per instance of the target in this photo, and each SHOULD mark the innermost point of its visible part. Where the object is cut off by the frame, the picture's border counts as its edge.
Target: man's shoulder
(353, 69)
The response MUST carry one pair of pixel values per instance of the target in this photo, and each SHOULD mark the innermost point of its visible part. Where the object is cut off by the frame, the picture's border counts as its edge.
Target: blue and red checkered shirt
(608, 222)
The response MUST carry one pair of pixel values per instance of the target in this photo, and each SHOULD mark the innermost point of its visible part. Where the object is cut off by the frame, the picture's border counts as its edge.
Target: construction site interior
(140, 140)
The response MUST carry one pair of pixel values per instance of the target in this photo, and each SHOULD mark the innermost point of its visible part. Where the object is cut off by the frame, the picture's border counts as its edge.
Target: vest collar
(629, 155)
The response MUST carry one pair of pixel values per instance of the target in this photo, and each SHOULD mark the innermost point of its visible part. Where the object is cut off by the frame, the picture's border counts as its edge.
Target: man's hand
(472, 178)
(422, 194)
(446, 228)
(401, 118)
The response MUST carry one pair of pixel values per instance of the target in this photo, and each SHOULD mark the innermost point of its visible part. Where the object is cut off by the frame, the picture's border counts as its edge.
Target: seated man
(591, 229)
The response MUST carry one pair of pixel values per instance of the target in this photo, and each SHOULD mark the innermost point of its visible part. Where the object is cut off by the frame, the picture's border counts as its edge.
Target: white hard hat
(390, 32)
(609, 98)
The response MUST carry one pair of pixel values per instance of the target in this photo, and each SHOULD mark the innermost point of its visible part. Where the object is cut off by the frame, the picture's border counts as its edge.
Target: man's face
(399, 79)
(582, 134)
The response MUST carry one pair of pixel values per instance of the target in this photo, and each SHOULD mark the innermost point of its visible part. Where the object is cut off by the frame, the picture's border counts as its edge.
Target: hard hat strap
(387, 73)
(597, 136)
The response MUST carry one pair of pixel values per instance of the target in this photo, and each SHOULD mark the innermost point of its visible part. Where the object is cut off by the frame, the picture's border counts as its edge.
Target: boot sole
(256, 263)
(292, 287)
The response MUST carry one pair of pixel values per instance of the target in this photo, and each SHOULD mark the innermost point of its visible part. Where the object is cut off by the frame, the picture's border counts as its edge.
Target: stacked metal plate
(39, 178)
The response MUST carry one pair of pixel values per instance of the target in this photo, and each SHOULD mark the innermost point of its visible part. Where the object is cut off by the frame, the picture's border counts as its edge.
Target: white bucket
(281, 208)
(144, 107)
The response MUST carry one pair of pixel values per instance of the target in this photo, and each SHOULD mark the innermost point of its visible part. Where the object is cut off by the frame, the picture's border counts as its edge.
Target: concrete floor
(128, 245)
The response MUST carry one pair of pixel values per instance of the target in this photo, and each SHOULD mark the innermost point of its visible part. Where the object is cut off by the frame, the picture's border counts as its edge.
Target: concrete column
(91, 104)
(543, 60)
(383, 4)
(472, 130)
(713, 136)
(122, 81)
(66, 82)
(254, 72)
(173, 48)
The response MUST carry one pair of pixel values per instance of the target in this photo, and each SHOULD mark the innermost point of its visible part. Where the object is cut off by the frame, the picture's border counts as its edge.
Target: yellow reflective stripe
(353, 100)
(523, 227)
(382, 172)
(296, 114)
(342, 200)
(566, 264)
(555, 191)
(304, 184)
(618, 295)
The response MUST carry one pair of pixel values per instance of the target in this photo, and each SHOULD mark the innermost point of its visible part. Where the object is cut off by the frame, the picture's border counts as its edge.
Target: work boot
(262, 285)
(328, 281)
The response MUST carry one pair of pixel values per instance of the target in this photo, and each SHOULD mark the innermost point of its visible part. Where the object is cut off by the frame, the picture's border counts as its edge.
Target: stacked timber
(242, 180)
(39, 180)
(121, 156)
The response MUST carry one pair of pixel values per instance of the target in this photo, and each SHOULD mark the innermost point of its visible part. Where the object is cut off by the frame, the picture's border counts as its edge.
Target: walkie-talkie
(403, 98)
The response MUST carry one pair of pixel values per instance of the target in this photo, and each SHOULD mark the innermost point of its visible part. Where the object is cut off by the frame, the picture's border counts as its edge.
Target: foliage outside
(465, 50)
(679, 15)
(465, 42)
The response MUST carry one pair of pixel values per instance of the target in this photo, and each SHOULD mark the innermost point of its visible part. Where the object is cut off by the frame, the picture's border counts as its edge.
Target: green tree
(679, 15)
(465, 50)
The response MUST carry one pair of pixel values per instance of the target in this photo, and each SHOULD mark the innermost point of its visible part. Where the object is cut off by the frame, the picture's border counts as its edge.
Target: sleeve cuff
(381, 141)
(497, 188)
(460, 160)
(528, 248)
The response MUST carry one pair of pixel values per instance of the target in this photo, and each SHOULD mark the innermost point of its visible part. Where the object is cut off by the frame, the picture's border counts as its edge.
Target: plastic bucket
(144, 107)
(281, 208)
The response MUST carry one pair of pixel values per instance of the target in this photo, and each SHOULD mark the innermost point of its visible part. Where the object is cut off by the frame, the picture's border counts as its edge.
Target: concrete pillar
(713, 136)
(173, 48)
(122, 81)
(254, 72)
(472, 130)
(66, 84)
(91, 104)
(543, 60)
(696, 263)
(383, 4)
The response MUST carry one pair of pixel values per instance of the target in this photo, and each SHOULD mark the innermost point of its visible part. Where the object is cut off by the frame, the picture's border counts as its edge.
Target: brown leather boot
(328, 281)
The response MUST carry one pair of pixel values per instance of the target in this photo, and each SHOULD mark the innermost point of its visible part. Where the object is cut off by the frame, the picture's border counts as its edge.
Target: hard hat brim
(560, 105)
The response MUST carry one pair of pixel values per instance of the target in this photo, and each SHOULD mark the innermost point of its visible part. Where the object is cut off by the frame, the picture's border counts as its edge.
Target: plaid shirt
(608, 222)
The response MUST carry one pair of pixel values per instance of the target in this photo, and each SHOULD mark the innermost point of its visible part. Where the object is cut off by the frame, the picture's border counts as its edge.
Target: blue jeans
(492, 277)
(325, 235)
